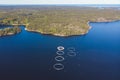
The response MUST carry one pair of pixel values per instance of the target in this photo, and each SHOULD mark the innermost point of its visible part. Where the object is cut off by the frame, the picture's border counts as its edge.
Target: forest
(56, 20)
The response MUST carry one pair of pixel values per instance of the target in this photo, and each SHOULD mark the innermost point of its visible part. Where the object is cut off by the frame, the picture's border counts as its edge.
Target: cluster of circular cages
(60, 58)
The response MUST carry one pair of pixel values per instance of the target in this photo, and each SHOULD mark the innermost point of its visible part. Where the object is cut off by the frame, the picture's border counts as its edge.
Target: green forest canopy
(56, 20)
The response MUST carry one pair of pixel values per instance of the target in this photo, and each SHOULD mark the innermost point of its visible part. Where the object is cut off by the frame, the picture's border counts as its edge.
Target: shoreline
(9, 34)
(59, 35)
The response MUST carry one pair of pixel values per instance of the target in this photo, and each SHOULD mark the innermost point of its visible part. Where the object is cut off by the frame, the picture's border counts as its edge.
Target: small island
(54, 20)
(9, 31)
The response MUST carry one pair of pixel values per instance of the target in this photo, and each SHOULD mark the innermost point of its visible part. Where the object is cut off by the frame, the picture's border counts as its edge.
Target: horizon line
(60, 4)
(87, 5)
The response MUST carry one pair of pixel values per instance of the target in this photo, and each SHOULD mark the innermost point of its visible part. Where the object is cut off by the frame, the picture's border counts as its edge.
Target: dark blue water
(30, 56)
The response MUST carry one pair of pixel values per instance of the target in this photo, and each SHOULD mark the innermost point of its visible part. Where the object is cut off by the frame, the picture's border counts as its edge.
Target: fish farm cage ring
(60, 52)
(71, 49)
(59, 58)
(58, 66)
(60, 48)
(71, 53)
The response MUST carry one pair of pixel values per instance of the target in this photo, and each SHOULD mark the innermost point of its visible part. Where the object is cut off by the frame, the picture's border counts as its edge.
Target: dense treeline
(57, 20)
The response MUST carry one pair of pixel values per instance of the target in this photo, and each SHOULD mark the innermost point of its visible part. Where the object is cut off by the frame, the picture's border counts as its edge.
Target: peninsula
(55, 20)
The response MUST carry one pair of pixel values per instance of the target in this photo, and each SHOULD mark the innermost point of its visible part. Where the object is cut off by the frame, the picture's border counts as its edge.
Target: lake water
(31, 56)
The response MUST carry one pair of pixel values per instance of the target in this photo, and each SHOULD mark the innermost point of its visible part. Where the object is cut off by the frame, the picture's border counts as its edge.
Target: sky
(59, 1)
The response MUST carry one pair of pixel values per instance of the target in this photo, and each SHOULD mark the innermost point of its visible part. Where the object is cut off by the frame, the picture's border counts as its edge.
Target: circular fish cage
(60, 48)
(71, 53)
(58, 66)
(60, 52)
(71, 49)
(59, 58)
